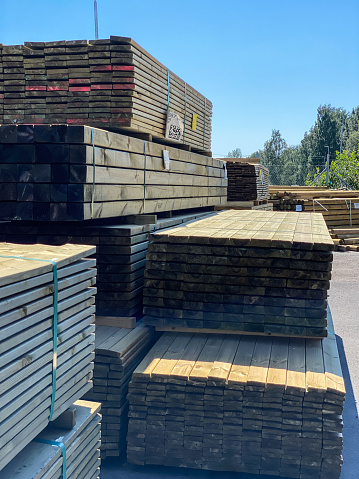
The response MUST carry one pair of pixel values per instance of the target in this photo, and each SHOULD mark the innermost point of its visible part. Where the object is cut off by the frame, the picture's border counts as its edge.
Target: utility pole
(327, 174)
(96, 20)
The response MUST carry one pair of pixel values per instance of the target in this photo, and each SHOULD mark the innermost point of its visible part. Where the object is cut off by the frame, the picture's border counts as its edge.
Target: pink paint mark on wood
(79, 88)
(80, 121)
(57, 88)
(35, 88)
(124, 86)
(123, 68)
(101, 87)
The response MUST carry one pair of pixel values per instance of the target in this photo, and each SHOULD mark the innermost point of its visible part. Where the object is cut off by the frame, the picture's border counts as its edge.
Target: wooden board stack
(249, 271)
(74, 173)
(82, 445)
(336, 211)
(118, 353)
(239, 403)
(120, 255)
(35, 386)
(113, 84)
(247, 181)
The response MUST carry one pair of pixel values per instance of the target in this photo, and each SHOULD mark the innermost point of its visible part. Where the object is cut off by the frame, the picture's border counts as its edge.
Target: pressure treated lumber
(74, 173)
(82, 445)
(251, 271)
(120, 254)
(118, 352)
(27, 299)
(239, 403)
(246, 181)
(113, 84)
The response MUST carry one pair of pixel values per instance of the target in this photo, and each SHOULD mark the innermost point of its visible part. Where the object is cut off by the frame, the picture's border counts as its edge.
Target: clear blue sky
(264, 64)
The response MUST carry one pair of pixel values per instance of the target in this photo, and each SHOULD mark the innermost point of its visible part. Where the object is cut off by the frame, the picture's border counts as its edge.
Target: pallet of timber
(336, 211)
(247, 271)
(47, 337)
(345, 236)
(113, 84)
(120, 254)
(118, 353)
(239, 403)
(59, 452)
(73, 173)
(246, 181)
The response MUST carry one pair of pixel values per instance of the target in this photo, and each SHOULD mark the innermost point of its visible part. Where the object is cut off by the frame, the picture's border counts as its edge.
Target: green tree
(236, 153)
(272, 156)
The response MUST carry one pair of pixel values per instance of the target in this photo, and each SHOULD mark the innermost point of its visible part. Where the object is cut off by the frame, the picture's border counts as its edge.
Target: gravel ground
(344, 303)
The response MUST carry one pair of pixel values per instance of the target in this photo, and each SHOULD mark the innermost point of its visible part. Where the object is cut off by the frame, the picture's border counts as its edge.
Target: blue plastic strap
(56, 295)
(144, 176)
(63, 451)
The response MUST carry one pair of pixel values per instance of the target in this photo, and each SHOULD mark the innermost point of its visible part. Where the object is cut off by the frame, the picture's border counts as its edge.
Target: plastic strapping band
(56, 294)
(93, 173)
(63, 451)
(168, 88)
(185, 110)
(144, 176)
(205, 113)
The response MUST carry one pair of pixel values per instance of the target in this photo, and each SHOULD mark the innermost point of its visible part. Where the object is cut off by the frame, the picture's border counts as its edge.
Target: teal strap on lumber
(56, 296)
(144, 176)
(63, 451)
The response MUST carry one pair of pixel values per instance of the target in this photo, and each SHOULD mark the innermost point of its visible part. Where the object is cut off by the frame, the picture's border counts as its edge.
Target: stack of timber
(120, 254)
(246, 181)
(47, 337)
(43, 458)
(113, 84)
(345, 238)
(337, 211)
(74, 173)
(249, 271)
(118, 353)
(239, 403)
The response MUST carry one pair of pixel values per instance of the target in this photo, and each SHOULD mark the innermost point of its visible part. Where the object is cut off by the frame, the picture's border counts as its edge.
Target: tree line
(335, 128)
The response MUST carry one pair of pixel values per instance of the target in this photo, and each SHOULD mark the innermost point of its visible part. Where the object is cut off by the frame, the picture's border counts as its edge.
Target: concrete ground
(344, 303)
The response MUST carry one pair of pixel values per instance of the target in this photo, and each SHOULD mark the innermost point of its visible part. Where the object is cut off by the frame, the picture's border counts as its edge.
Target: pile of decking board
(246, 181)
(112, 83)
(263, 405)
(74, 173)
(45, 460)
(46, 335)
(118, 353)
(120, 254)
(249, 271)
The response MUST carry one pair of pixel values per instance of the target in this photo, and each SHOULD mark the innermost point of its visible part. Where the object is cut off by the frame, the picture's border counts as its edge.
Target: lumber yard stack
(239, 403)
(109, 83)
(346, 238)
(118, 353)
(47, 337)
(256, 399)
(246, 181)
(74, 173)
(248, 271)
(120, 254)
(44, 457)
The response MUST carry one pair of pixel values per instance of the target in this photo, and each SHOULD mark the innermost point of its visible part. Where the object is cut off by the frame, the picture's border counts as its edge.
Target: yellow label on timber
(194, 121)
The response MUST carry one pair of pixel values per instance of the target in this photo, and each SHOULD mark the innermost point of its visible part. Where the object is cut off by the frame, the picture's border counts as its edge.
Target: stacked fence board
(73, 173)
(336, 211)
(81, 444)
(250, 271)
(113, 84)
(118, 352)
(239, 403)
(47, 337)
(246, 181)
(120, 255)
